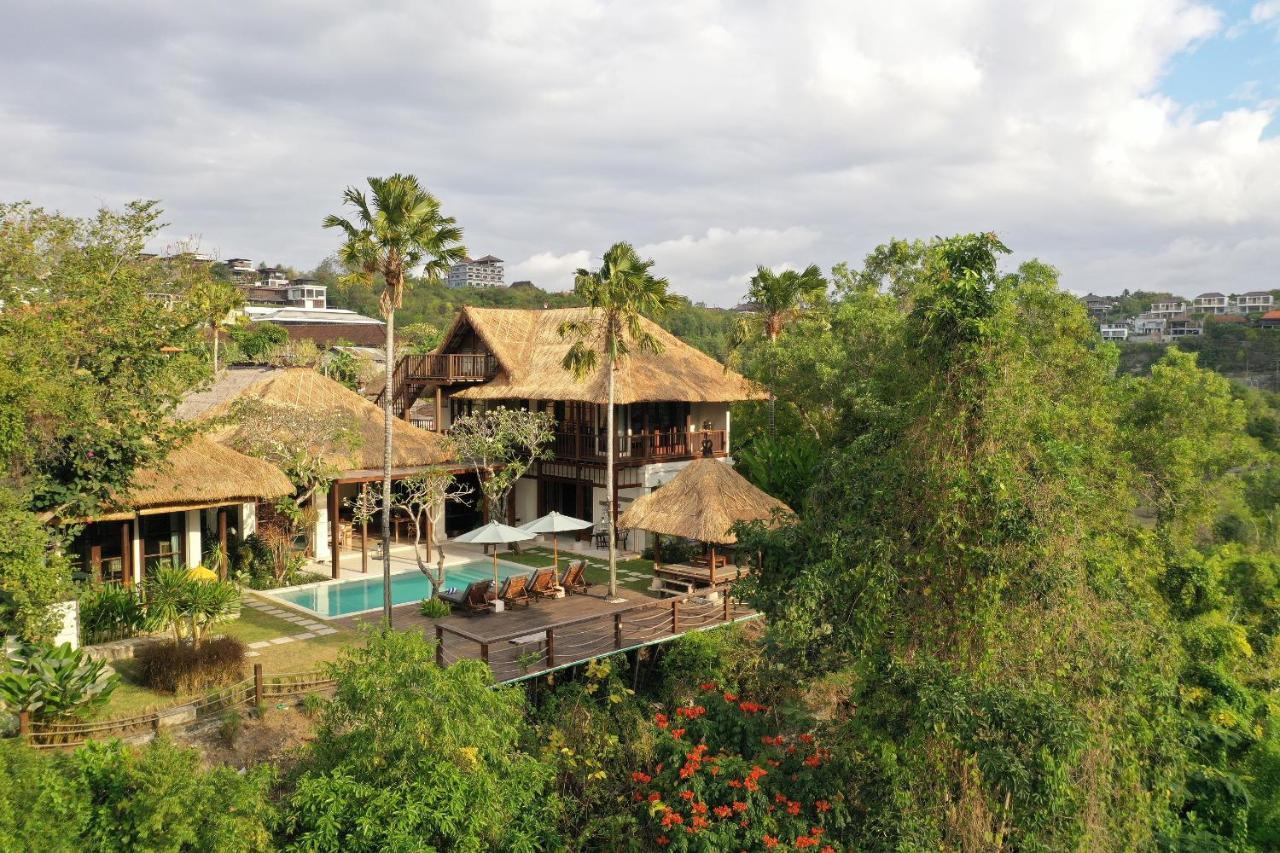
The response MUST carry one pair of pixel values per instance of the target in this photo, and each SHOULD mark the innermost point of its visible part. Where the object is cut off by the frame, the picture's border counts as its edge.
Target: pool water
(344, 598)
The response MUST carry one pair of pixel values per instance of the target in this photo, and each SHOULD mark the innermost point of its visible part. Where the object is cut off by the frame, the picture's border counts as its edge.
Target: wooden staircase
(414, 374)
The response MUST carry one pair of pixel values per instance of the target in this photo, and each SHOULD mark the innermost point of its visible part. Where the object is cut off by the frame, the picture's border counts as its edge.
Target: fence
(250, 692)
(528, 652)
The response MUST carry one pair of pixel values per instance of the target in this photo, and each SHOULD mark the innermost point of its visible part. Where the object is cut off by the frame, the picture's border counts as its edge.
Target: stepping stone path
(310, 627)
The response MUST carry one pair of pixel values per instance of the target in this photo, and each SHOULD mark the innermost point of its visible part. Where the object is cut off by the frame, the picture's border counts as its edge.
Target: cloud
(714, 135)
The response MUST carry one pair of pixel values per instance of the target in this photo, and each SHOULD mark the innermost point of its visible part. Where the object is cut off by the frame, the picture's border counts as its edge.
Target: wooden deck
(552, 634)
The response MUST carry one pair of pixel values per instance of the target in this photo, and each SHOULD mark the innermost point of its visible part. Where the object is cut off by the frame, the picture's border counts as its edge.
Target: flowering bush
(725, 779)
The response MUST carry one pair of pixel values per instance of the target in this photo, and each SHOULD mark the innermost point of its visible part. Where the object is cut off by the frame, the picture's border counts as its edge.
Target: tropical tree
(500, 445)
(778, 299)
(211, 301)
(402, 230)
(620, 293)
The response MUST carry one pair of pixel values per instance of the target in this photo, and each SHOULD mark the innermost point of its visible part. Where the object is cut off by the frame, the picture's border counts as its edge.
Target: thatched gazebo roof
(313, 392)
(200, 473)
(529, 350)
(703, 502)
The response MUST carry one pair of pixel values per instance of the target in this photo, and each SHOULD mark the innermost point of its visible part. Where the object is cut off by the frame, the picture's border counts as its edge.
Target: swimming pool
(344, 598)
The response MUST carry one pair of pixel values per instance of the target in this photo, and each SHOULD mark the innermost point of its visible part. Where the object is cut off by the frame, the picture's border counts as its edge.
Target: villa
(670, 408)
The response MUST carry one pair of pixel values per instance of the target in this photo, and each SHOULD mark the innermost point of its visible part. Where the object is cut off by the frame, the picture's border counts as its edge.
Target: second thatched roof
(703, 502)
(312, 392)
(529, 349)
(199, 473)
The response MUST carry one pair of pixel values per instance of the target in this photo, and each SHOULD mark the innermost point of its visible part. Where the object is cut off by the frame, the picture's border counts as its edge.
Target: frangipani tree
(501, 445)
(422, 499)
(400, 230)
(620, 292)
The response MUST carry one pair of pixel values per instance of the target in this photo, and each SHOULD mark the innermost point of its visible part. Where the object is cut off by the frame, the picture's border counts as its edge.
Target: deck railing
(451, 367)
(530, 651)
(638, 447)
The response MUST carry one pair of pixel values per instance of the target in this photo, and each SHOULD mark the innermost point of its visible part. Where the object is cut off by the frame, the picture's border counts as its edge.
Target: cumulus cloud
(714, 135)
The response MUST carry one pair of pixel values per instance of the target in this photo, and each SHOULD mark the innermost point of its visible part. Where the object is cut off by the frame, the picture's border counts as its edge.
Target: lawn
(131, 697)
(597, 571)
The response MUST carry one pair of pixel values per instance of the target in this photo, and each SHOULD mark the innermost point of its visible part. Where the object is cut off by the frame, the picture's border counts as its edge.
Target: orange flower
(730, 697)
(813, 761)
(654, 797)
(827, 849)
(822, 806)
(735, 783)
(661, 721)
(739, 806)
(676, 733)
(770, 842)
(806, 738)
(722, 811)
(686, 795)
(816, 832)
(642, 778)
(805, 841)
(663, 841)
(715, 771)
(707, 685)
(793, 808)
(700, 822)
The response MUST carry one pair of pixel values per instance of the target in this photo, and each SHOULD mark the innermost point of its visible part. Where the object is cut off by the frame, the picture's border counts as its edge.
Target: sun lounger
(543, 583)
(515, 590)
(574, 579)
(473, 599)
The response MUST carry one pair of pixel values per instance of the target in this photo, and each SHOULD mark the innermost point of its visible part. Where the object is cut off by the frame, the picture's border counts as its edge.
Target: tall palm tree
(212, 301)
(620, 293)
(779, 298)
(402, 230)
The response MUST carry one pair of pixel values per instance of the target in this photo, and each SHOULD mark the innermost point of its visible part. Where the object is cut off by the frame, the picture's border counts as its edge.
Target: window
(162, 540)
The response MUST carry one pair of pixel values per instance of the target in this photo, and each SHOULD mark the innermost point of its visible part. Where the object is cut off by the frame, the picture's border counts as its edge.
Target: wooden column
(713, 565)
(657, 551)
(126, 555)
(222, 543)
(439, 409)
(334, 556)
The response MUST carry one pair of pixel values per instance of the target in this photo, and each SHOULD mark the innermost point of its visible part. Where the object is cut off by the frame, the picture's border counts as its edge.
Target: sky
(1131, 145)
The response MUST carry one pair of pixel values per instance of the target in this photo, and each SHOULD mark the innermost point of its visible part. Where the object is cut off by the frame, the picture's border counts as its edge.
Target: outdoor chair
(473, 599)
(574, 579)
(515, 590)
(543, 583)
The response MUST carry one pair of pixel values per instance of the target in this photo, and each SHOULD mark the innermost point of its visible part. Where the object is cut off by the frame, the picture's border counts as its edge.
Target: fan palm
(211, 301)
(620, 293)
(399, 229)
(778, 299)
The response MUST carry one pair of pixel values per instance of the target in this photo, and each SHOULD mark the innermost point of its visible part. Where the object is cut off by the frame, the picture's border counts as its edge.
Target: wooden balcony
(638, 448)
(453, 367)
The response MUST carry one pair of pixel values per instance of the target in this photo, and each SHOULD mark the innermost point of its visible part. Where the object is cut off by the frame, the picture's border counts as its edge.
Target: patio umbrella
(494, 533)
(555, 524)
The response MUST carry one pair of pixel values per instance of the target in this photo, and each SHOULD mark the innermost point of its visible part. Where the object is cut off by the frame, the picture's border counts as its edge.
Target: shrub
(110, 612)
(435, 608)
(186, 604)
(725, 778)
(183, 668)
(673, 550)
(51, 682)
(229, 729)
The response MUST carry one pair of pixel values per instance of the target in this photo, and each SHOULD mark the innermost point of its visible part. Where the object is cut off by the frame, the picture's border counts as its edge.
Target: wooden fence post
(551, 648)
(484, 652)
(725, 597)
(24, 722)
(617, 630)
(440, 647)
(257, 685)
(675, 619)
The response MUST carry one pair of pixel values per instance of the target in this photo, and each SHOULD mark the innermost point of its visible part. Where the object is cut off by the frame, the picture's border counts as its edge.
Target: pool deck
(554, 633)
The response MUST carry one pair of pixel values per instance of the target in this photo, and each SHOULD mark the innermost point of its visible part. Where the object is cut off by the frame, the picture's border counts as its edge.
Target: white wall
(193, 543)
(70, 630)
(524, 499)
(321, 541)
(248, 520)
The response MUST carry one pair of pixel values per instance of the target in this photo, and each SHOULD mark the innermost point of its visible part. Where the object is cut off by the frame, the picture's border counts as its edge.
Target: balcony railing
(638, 447)
(452, 367)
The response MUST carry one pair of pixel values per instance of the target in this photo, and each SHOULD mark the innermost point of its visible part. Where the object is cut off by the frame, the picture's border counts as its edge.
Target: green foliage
(230, 727)
(435, 608)
(501, 445)
(54, 682)
(110, 612)
(257, 343)
(784, 465)
(183, 668)
(33, 575)
(91, 362)
(187, 605)
(408, 755)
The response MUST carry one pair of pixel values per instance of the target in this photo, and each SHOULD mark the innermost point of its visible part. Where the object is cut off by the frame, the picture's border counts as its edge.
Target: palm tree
(212, 301)
(620, 293)
(402, 230)
(779, 298)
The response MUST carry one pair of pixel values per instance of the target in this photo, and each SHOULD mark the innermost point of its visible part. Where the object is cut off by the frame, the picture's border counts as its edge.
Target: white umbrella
(494, 533)
(555, 523)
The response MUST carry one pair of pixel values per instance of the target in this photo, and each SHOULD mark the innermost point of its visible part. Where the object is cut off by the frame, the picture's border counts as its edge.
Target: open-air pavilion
(702, 503)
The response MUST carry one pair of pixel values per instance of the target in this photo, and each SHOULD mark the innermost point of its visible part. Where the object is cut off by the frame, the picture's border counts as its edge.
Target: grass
(131, 697)
(533, 559)
(597, 571)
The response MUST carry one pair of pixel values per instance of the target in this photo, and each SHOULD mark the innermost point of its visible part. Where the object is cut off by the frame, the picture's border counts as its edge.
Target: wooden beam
(439, 409)
(222, 543)
(126, 555)
(335, 559)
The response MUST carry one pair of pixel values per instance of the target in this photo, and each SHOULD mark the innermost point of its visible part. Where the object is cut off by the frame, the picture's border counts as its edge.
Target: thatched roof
(312, 392)
(199, 473)
(702, 502)
(529, 350)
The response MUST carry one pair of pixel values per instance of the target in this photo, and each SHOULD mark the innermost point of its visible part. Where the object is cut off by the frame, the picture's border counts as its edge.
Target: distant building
(271, 287)
(478, 272)
(1211, 303)
(524, 282)
(1115, 332)
(1168, 309)
(1270, 320)
(1255, 302)
(325, 326)
(1149, 324)
(1181, 326)
(1096, 305)
(241, 266)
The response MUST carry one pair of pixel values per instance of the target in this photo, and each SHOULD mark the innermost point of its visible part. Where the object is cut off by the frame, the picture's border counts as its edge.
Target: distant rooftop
(272, 314)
